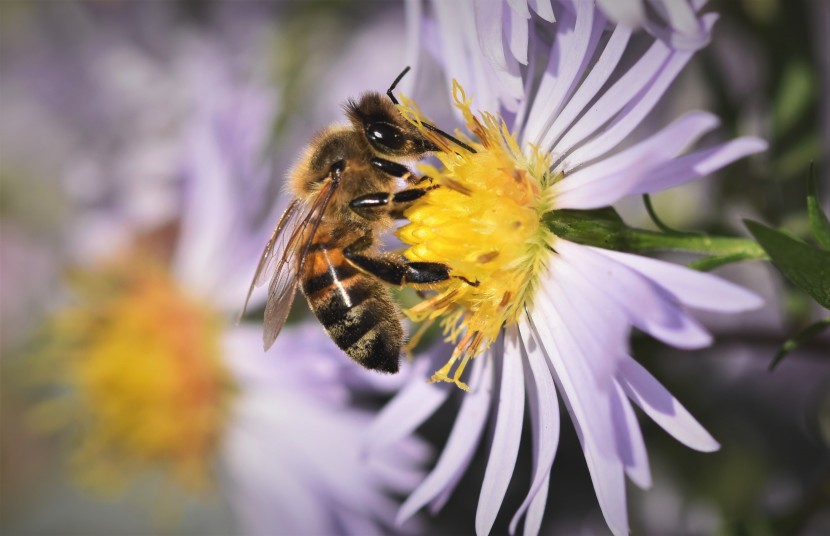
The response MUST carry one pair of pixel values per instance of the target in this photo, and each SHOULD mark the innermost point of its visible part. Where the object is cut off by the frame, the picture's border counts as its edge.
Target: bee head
(385, 129)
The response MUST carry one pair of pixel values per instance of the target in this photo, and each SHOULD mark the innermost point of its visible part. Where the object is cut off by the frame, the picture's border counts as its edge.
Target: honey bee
(344, 198)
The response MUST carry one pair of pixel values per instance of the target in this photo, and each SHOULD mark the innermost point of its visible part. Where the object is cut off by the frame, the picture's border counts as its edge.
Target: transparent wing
(276, 244)
(299, 230)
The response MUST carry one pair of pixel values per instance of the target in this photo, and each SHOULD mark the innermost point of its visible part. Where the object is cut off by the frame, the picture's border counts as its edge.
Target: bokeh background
(105, 107)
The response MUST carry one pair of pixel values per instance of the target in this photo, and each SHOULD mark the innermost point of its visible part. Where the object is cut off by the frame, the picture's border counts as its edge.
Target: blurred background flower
(154, 131)
(165, 128)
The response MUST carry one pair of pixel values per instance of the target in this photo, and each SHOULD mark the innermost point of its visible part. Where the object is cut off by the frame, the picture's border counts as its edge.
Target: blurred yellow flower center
(146, 386)
(485, 222)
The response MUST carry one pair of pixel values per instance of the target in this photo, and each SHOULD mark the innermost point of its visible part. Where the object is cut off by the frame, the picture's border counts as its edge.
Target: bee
(325, 244)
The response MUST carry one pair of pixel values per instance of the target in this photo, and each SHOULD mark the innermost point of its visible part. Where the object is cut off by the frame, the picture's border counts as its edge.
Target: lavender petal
(463, 440)
(630, 444)
(655, 311)
(663, 408)
(596, 78)
(570, 47)
(508, 433)
(622, 92)
(409, 409)
(544, 415)
(697, 164)
(610, 179)
(693, 288)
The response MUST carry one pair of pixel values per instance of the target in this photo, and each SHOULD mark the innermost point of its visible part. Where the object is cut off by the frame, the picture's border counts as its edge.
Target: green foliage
(806, 267)
(818, 219)
(798, 339)
(794, 97)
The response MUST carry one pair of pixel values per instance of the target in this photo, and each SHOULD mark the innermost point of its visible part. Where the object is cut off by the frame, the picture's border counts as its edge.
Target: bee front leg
(394, 270)
(398, 170)
(370, 205)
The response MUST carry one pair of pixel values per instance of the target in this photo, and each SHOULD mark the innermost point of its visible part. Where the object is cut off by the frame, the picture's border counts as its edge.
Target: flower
(149, 372)
(674, 21)
(534, 312)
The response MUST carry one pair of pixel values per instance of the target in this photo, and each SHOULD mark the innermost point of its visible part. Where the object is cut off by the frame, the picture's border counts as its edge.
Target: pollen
(142, 385)
(484, 221)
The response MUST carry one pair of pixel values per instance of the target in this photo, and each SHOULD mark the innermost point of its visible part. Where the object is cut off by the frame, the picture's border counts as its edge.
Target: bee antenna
(395, 84)
(449, 137)
(433, 128)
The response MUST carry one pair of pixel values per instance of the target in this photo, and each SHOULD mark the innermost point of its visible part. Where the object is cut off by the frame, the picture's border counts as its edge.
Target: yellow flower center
(484, 221)
(145, 383)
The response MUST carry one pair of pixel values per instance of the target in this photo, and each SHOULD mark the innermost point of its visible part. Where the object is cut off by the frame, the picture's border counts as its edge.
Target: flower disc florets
(146, 386)
(484, 221)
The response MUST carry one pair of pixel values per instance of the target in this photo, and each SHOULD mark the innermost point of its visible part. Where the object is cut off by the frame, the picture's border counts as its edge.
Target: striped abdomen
(356, 309)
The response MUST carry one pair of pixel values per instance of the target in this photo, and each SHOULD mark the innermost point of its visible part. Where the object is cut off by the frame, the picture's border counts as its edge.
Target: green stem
(644, 240)
(604, 228)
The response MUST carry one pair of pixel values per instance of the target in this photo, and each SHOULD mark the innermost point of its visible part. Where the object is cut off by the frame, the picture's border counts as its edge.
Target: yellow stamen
(144, 386)
(485, 223)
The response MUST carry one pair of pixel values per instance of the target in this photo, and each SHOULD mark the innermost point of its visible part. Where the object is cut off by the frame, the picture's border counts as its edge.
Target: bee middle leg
(394, 270)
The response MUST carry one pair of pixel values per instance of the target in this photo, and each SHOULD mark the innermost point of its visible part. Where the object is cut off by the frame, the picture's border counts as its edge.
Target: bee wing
(268, 261)
(300, 229)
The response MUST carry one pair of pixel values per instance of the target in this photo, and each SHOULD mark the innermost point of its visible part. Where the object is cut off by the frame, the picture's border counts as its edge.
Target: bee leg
(370, 205)
(398, 170)
(394, 270)
(391, 168)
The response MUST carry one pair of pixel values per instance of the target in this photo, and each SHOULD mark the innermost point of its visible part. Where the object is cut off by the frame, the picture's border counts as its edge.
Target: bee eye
(385, 136)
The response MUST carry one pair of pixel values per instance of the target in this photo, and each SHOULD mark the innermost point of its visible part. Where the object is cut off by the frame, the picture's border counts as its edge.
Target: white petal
(612, 178)
(627, 12)
(631, 115)
(488, 17)
(589, 406)
(630, 444)
(462, 442)
(544, 8)
(487, 84)
(519, 36)
(615, 98)
(693, 288)
(507, 435)
(609, 483)
(606, 472)
(405, 412)
(559, 79)
(533, 520)
(679, 15)
(596, 78)
(697, 164)
(585, 387)
(544, 418)
(649, 306)
(520, 7)
(645, 391)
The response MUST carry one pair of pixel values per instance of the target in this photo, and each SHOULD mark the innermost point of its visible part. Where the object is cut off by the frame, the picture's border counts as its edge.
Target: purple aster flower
(155, 375)
(535, 313)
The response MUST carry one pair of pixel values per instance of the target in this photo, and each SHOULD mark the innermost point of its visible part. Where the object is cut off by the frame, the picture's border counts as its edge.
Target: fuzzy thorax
(485, 222)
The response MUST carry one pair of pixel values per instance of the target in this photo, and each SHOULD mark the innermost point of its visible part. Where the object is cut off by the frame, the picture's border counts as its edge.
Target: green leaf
(818, 219)
(798, 339)
(805, 266)
(707, 264)
(794, 96)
